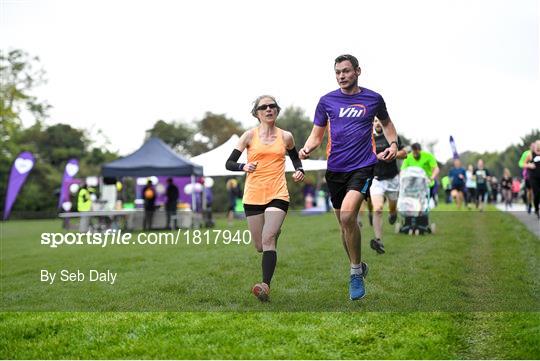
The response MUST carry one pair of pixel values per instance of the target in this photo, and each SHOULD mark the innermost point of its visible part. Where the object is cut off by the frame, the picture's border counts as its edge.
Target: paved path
(520, 212)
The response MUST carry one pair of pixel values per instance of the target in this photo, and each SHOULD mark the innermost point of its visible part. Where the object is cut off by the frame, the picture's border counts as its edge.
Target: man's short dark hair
(416, 146)
(348, 57)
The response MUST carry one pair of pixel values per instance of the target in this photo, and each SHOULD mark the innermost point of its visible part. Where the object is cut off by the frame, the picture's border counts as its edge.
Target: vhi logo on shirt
(353, 111)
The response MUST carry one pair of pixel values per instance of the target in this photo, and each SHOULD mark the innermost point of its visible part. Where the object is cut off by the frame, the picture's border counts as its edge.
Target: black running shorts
(254, 209)
(339, 183)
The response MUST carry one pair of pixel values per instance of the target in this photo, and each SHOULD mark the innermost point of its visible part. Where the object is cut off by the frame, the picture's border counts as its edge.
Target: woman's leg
(273, 219)
(255, 225)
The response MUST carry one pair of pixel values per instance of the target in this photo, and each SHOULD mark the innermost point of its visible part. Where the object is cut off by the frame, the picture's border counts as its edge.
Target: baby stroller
(413, 202)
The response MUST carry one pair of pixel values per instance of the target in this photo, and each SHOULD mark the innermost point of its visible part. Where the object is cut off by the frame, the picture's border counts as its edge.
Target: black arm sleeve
(232, 164)
(297, 163)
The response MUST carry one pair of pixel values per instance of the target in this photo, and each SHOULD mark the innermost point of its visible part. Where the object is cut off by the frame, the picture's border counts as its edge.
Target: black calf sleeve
(269, 260)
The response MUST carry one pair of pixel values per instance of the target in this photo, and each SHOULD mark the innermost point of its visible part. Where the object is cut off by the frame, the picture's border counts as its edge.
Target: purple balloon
(20, 169)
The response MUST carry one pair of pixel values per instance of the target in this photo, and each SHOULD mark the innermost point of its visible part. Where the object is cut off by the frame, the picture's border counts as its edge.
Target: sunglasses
(266, 106)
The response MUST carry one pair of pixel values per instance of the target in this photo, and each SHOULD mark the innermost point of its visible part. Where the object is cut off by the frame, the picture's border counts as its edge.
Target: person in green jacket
(445, 182)
(424, 160)
(84, 204)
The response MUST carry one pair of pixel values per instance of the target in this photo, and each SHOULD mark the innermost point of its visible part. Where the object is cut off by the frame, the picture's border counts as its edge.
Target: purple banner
(72, 167)
(454, 149)
(19, 172)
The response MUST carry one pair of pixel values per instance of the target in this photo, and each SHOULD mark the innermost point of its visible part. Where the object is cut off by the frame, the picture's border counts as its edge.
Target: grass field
(470, 291)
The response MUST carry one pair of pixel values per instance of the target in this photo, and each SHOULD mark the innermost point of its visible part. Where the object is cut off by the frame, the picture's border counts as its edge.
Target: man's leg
(458, 197)
(378, 204)
(529, 199)
(351, 231)
(535, 183)
(343, 241)
(392, 207)
(454, 195)
(483, 196)
(370, 210)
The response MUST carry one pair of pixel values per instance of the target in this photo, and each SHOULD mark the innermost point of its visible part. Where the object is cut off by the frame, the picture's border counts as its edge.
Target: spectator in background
(172, 203)
(494, 185)
(470, 184)
(309, 193)
(324, 188)
(149, 197)
(84, 204)
(208, 220)
(506, 188)
(234, 193)
(516, 188)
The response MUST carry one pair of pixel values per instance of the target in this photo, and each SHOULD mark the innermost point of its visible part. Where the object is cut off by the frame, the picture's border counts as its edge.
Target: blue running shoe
(356, 287)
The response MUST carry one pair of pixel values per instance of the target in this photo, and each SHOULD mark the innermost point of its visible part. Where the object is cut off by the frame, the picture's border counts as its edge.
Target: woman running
(266, 198)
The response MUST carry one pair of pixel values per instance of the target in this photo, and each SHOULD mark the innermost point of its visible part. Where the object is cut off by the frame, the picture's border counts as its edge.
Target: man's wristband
(394, 141)
(301, 170)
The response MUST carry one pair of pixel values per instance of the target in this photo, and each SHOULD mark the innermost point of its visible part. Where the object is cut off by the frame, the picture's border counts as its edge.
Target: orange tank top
(268, 181)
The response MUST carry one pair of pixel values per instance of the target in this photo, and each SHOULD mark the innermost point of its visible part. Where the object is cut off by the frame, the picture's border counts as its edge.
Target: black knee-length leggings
(535, 184)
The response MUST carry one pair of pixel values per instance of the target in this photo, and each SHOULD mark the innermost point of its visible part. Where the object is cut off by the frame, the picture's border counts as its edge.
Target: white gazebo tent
(213, 161)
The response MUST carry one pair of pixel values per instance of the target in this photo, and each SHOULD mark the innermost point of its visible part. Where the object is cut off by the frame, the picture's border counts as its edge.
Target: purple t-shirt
(350, 119)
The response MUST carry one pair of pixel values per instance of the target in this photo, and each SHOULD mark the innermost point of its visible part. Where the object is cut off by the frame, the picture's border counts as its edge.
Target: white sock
(356, 269)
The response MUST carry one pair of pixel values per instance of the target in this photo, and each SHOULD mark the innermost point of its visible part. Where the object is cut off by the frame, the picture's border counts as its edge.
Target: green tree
(20, 74)
(295, 120)
(176, 134)
(213, 130)
(51, 145)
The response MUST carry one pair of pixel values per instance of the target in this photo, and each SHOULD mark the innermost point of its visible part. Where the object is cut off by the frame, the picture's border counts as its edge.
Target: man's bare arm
(390, 133)
(313, 142)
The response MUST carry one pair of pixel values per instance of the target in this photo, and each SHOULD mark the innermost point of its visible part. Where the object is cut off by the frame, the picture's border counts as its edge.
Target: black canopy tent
(153, 158)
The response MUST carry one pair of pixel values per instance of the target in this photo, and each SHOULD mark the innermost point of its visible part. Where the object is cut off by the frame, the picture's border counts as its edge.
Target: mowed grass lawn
(470, 291)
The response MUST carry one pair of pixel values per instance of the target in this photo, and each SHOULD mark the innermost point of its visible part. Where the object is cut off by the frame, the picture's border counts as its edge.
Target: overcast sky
(464, 68)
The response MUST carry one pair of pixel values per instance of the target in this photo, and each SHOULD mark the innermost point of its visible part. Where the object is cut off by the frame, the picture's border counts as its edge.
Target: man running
(349, 112)
(385, 184)
(458, 176)
(426, 161)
